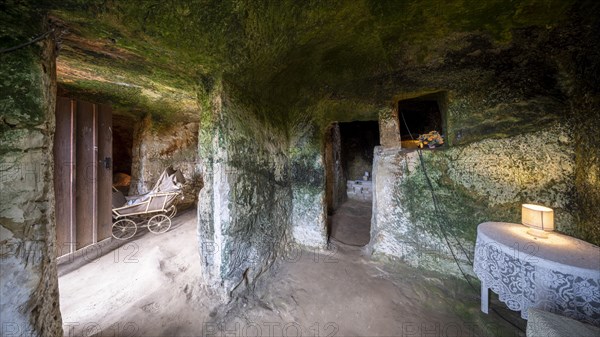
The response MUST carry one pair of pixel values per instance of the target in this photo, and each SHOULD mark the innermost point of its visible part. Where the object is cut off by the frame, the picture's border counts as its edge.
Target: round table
(559, 274)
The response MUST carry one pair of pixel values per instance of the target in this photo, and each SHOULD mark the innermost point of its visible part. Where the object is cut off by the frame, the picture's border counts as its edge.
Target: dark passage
(351, 219)
(358, 139)
(122, 152)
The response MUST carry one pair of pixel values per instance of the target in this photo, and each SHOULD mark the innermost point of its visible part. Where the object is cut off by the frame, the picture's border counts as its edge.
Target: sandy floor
(351, 223)
(150, 287)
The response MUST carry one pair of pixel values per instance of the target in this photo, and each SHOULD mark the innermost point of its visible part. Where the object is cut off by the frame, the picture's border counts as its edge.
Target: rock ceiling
(160, 56)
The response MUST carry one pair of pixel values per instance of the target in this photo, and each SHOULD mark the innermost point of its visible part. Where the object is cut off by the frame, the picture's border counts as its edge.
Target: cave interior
(309, 206)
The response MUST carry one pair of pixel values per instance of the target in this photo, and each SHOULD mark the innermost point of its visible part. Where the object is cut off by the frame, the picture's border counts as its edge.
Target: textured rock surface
(28, 281)
(581, 68)
(538, 166)
(244, 207)
(309, 208)
(502, 69)
(156, 147)
(513, 72)
(518, 129)
(482, 181)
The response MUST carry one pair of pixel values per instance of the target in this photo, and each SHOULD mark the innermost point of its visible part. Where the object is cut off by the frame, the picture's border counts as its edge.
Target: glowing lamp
(539, 219)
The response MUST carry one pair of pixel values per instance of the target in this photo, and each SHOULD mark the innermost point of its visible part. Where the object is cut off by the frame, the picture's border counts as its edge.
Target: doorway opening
(123, 130)
(349, 166)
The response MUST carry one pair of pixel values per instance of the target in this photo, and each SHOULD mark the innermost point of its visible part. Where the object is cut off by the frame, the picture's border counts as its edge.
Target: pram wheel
(124, 229)
(159, 224)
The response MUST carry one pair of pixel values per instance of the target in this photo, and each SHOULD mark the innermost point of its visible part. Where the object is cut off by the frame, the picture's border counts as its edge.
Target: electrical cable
(444, 234)
(39, 38)
(436, 206)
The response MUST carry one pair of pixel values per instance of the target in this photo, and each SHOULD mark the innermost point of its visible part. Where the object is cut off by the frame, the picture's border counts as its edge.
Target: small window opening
(419, 116)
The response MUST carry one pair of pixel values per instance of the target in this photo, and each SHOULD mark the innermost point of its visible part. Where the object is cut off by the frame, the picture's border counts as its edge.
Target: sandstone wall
(156, 146)
(309, 208)
(581, 67)
(28, 280)
(482, 181)
(514, 124)
(244, 207)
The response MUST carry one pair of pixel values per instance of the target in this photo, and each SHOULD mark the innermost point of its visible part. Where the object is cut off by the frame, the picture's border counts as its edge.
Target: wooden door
(83, 174)
(64, 179)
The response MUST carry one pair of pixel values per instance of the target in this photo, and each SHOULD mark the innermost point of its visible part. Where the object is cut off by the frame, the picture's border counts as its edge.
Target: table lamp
(539, 219)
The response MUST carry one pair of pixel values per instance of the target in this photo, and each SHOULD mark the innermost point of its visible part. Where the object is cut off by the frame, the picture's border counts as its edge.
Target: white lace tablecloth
(559, 274)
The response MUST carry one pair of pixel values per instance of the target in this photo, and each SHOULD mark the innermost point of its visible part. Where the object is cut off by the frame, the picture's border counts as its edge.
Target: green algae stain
(21, 98)
(279, 55)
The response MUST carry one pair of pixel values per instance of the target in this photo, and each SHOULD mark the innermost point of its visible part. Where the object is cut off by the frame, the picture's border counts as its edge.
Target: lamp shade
(537, 217)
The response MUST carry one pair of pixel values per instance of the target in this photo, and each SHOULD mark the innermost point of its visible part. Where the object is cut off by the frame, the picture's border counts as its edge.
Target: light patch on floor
(150, 286)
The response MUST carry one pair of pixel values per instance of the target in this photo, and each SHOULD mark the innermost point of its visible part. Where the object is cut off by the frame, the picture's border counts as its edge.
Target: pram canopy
(159, 198)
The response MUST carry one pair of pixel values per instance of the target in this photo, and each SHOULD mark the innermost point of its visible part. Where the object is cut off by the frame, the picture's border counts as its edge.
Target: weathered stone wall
(587, 173)
(28, 280)
(309, 210)
(244, 207)
(483, 181)
(580, 66)
(157, 146)
(389, 127)
(514, 128)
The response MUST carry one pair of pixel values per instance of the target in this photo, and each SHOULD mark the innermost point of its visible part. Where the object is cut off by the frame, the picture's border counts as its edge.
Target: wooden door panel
(104, 171)
(86, 165)
(83, 174)
(64, 176)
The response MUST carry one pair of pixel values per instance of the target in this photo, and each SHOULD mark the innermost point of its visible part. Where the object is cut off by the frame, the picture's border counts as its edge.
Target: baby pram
(153, 209)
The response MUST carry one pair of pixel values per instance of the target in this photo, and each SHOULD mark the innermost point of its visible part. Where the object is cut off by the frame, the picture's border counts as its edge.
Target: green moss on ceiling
(276, 56)
(99, 62)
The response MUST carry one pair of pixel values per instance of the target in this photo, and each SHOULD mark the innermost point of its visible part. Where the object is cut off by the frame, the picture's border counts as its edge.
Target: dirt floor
(351, 223)
(151, 287)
